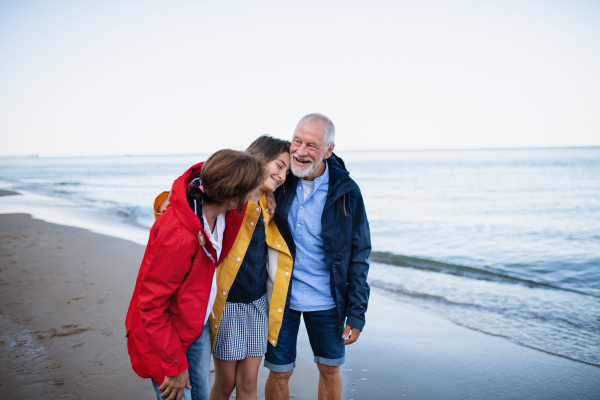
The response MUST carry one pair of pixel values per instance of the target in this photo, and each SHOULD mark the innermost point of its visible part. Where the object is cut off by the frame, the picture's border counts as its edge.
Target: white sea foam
(66, 212)
(553, 320)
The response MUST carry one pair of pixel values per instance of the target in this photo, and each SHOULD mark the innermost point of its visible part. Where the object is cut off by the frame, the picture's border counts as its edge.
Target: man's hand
(350, 335)
(173, 386)
(163, 206)
(271, 204)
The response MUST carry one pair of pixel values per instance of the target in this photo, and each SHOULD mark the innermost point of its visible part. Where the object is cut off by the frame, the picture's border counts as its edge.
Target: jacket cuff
(177, 365)
(355, 322)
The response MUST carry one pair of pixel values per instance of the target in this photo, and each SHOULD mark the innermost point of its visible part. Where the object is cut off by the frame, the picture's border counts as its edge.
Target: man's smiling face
(308, 149)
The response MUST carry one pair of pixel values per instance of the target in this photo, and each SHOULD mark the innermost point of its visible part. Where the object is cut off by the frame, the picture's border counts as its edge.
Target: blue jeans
(323, 333)
(198, 357)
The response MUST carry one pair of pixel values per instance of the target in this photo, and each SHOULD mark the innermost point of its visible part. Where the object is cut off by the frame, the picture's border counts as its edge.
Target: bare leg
(246, 377)
(330, 382)
(277, 386)
(225, 374)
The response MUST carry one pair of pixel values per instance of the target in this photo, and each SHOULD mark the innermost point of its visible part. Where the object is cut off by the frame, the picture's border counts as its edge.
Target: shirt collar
(318, 182)
(215, 237)
(323, 178)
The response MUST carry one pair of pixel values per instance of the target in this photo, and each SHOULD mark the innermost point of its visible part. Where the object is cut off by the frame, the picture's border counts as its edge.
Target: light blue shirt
(311, 290)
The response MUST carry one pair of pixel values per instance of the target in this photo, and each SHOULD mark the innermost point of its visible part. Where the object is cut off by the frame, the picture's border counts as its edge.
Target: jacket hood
(179, 203)
(339, 177)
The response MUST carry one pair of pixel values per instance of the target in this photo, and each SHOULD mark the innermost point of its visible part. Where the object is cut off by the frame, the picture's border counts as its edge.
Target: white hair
(329, 138)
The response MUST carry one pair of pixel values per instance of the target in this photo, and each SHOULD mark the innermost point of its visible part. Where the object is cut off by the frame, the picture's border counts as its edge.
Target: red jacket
(168, 307)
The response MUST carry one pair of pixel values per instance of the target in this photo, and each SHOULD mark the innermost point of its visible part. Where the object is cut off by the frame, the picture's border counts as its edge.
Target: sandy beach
(65, 291)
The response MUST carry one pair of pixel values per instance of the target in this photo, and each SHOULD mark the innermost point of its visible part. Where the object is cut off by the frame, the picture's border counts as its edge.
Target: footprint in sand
(58, 381)
(67, 330)
(97, 361)
(22, 370)
(75, 299)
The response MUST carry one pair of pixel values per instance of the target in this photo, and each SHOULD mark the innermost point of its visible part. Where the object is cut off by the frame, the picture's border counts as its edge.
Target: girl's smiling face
(278, 169)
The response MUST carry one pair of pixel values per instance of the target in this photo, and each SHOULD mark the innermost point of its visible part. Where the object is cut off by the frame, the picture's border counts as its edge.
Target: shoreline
(65, 292)
(65, 336)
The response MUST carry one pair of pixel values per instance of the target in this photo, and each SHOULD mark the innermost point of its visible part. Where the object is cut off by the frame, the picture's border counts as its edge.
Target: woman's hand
(173, 386)
(271, 204)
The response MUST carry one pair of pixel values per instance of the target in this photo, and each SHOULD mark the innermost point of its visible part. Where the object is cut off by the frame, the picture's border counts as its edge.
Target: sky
(88, 78)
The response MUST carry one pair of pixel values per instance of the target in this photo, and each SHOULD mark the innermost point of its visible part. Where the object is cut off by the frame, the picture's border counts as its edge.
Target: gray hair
(329, 138)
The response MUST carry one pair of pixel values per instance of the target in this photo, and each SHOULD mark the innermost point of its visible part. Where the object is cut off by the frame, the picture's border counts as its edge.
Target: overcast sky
(173, 77)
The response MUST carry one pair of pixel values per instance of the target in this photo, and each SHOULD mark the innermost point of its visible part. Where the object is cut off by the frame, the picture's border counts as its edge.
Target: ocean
(506, 242)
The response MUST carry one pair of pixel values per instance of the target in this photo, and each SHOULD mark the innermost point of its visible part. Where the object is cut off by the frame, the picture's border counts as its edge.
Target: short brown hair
(226, 175)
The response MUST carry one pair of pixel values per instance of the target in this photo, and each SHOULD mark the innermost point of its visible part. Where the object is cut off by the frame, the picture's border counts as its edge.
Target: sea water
(506, 242)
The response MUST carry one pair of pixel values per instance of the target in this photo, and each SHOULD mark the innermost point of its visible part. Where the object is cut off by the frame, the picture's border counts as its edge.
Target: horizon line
(8, 156)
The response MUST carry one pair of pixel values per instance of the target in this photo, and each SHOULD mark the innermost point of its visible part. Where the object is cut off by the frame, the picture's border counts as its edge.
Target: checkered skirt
(243, 331)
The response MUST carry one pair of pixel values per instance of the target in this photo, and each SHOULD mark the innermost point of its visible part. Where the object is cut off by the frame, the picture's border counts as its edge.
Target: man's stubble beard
(302, 172)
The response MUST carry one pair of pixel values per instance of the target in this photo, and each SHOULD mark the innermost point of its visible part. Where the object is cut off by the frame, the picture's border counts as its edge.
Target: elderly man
(322, 208)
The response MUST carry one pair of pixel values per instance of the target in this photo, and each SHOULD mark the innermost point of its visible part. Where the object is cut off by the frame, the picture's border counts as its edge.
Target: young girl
(258, 269)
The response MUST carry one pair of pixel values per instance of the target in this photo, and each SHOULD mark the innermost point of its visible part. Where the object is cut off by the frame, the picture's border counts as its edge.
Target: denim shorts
(323, 333)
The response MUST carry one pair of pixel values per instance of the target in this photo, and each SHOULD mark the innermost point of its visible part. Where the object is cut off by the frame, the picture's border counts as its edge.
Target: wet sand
(65, 291)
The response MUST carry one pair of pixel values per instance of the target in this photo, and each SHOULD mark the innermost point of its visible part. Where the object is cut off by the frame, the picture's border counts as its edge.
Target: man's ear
(201, 188)
(330, 150)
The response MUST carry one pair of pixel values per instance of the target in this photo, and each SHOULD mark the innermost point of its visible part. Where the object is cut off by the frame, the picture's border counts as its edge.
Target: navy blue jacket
(346, 240)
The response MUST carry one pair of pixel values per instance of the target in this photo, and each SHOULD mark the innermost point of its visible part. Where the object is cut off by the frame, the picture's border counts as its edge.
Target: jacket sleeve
(167, 263)
(358, 288)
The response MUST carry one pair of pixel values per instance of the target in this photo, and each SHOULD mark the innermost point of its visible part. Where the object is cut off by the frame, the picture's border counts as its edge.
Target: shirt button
(175, 361)
(215, 326)
(264, 220)
(238, 259)
(257, 209)
(273, 341)
(251, 223)
(224, 293)
(267, 210)
(287, 273)
(298, 225)
(280, 310)
(278, 245)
